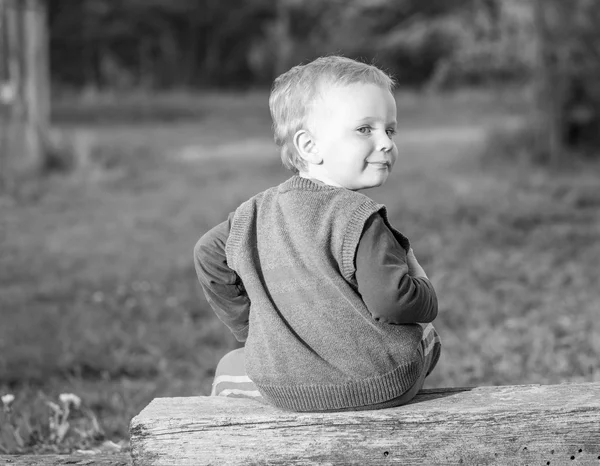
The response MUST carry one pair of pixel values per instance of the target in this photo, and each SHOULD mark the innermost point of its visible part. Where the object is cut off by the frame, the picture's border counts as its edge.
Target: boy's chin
(371, 184)
(378, 180)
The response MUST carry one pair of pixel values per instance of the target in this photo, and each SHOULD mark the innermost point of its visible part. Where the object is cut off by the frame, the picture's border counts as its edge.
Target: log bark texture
(113, 459)
(528, 424)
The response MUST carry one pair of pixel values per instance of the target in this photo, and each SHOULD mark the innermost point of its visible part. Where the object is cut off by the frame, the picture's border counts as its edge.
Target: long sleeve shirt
(390, 294)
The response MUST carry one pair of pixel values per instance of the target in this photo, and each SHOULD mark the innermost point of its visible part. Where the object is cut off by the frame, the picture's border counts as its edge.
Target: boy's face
(353, 128)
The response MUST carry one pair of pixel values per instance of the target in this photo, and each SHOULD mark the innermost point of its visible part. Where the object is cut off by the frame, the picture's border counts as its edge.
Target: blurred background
(130, 128)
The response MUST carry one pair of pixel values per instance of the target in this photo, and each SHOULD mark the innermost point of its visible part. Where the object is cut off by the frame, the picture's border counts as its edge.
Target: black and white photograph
(325, 232)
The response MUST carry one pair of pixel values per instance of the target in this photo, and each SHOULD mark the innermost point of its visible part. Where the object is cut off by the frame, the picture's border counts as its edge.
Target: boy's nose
(384, 144)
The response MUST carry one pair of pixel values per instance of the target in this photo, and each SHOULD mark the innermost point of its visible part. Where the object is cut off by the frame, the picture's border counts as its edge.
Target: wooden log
(528, 424)
(109, 459)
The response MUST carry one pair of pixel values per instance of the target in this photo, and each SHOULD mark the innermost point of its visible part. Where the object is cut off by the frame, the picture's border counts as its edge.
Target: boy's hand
(414, 268)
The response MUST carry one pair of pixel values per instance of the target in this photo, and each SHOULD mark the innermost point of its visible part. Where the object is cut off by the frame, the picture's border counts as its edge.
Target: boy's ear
(306, 147)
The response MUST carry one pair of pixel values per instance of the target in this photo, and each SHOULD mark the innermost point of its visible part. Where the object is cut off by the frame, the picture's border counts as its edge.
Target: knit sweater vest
(312, 343)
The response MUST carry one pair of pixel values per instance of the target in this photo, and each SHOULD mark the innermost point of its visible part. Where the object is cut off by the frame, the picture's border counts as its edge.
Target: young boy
(328, 297)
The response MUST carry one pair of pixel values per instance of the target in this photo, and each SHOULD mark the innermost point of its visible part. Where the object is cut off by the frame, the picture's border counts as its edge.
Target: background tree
(566, 78)
(24, 90)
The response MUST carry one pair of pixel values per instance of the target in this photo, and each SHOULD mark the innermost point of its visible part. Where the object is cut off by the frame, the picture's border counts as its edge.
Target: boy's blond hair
(294, 92)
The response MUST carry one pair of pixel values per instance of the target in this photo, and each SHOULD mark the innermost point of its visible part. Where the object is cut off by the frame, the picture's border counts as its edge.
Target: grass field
(99, 296)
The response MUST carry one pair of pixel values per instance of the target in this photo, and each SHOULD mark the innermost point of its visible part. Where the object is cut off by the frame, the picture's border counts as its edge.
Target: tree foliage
(495, 42)
(567, 70)
(159, 43)
(154, 43)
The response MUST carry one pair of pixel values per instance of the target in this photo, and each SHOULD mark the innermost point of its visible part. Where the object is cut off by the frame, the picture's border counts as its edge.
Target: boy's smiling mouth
(380, 165)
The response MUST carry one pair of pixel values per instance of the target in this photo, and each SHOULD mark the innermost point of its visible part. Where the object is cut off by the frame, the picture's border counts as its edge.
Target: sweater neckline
(299, 182)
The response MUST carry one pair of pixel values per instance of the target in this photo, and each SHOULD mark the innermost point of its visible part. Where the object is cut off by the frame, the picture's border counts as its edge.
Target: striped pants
(231, 379)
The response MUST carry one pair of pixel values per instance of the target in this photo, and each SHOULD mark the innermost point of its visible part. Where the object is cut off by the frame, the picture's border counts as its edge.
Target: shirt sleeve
(222, 287)
(389, 292)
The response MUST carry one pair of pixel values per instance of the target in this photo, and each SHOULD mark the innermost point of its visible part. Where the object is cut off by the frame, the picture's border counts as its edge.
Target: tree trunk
(548, 88)
(5, 91)
(283, 41)
(191, 54)
(36, 89)
(169, 59)
(27, 101)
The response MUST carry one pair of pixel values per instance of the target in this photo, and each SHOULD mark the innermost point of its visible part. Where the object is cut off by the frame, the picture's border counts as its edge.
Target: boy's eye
(390, 132)
(364, 130)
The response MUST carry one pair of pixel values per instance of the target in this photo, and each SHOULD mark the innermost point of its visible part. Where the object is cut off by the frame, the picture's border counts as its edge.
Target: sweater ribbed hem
(354, 394)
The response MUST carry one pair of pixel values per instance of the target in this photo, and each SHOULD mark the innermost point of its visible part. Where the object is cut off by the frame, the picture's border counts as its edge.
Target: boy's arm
(222, 287)
(393, 286)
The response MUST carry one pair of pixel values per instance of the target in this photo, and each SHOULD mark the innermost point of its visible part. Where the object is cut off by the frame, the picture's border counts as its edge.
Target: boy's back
(313, 344)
